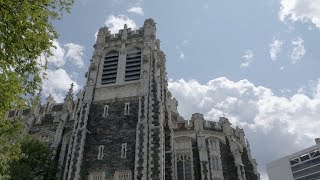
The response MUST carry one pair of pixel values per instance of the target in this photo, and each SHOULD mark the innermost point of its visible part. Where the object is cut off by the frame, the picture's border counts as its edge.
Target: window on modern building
(294, 161)
(304, 157)
(110, 65)
(124, 150)
(133, 64)
(315, 153)
(184, 167)
(215, 163)
(105, 110)
(126, 108)
(100, 152)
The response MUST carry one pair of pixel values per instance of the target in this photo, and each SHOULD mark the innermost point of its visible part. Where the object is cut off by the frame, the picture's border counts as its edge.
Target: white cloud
(57, 84)
(75, 54)
(60, 55)
(181, 55)
(136, 10)
(57, 58)
(247, 58)
(300, 10)
(114, 23)
(298, 50)
(289, 122)
(58, 80)
(275, 48)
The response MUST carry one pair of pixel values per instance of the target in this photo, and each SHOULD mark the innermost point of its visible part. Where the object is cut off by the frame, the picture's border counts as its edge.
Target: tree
(26, 36)
(36, 162)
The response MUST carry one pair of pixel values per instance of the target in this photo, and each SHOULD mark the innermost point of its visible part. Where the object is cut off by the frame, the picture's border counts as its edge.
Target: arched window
(133, 64)
(110, 65)
(184, 167)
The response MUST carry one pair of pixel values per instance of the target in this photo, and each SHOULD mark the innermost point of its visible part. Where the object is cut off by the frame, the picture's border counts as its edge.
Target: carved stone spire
(69, 96)
(68, 100)
(125, 32)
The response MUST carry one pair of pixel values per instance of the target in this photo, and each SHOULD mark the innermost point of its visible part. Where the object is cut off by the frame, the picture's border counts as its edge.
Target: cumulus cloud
(64, 53)
(298, 50)
(57, 59)
(75, 54)
(275, 48)
(300, 10)
(136, 10)
(114, 23)
(57, 84)
(58, 79)
(247, 58)
(270, 121)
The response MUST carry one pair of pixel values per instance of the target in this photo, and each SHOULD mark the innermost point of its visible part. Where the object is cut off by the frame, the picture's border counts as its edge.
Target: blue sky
(255, 61)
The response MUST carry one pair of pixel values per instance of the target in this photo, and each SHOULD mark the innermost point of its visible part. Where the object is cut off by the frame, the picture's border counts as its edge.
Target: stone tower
(124, 124)
(121, 127)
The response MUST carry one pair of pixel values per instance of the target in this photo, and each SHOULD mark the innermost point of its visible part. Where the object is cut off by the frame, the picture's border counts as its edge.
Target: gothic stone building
(124, 123)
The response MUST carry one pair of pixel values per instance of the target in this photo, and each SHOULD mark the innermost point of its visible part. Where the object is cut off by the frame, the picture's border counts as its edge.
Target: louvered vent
(133, 64)
(110, 65)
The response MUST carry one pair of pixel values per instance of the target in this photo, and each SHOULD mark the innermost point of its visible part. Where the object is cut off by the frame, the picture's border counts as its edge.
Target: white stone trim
(97, 176)
(100, 152)
(105, 111)
(122, 175)
(124, 150)
(126, 108)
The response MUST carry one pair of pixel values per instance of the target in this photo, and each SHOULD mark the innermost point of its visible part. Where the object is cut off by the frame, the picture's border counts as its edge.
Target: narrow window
(133, 64)
(100, 152)
(315, 153)
(184, 167)
(304, 157)
(126, 108)
(110, 65)
(294, 161)
(124, 150)
(215, 163)
(106, 111)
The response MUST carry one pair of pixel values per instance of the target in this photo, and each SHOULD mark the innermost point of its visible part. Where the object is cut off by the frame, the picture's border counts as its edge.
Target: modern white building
(302, 165)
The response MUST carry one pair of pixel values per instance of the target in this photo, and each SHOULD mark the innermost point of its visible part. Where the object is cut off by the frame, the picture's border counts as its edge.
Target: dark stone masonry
(124, 123)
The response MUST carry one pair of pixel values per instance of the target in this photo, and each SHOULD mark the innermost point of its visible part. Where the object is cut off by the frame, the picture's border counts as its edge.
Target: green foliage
(36, 162)
(26, 35)
(10, 136)
(26, 32)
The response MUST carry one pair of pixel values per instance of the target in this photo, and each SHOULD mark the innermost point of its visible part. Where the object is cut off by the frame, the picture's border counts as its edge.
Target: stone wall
(248, 167)
(110, 131)
(227, 159)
